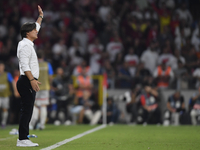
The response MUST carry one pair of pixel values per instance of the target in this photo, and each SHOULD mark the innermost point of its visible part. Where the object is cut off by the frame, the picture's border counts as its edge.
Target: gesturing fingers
(39, 9)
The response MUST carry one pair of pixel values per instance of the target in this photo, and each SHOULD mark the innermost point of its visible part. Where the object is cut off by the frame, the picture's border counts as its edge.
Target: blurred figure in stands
(93, 115)
(150, 57)
(15, 102)
(95, 49)
(109, 70)
(42, 96)
(132, 106)
(132, 60)
(163, 75)
(195, 110)
(61, 86)
(5, 91)
(124, 76)
(79, 69)
(113, 112)
(76, 52)
(114, 47)
(176, 107)
(84, 82)
(151, 112)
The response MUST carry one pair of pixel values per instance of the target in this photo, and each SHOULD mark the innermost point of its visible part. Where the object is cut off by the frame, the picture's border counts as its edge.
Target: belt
(24, 76)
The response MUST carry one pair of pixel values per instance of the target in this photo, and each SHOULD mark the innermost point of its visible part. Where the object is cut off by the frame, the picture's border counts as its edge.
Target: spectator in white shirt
(175, 60)
(60, 49)
(95, 50)
(114, 47)
(81, 36)
(166, 56)
(150, 57)
(196, 38)
(132, 60)
(95, 47)
(184, 13)
(104, 10)
(180, 40)
(196, 74)
(27, 85)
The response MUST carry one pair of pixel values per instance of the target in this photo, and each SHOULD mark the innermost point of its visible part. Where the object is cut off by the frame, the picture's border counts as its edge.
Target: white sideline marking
(73, 138)
(3, 139)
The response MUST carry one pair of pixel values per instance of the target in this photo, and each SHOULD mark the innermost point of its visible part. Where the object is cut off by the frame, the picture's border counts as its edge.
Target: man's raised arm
(40, 17)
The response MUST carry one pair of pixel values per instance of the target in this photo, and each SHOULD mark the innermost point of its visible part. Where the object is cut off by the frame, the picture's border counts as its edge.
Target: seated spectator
(148, 100)
(132, 105)
(84, 82)
(175, 108)
(195, 107)
(61, 86)
(113, 112)
(93, 115)
(132, 60)
(163, 74)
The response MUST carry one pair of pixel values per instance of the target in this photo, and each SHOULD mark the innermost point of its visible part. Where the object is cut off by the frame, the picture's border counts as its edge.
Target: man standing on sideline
(42, 96)
(28, 83)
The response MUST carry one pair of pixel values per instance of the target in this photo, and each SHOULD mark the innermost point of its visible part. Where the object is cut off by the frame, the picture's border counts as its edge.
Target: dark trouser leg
(134, 113)
(27, 102)
(115, 115)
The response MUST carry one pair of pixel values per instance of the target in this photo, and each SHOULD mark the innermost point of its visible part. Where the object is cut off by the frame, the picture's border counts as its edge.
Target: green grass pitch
(117, 137)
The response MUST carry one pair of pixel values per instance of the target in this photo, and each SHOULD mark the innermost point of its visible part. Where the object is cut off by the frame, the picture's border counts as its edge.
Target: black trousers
(27, 102)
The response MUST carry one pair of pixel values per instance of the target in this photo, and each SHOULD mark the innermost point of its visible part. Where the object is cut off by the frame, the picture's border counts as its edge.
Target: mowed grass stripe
(123, 137)
(74, 138)
(51, 135)
(117, 137)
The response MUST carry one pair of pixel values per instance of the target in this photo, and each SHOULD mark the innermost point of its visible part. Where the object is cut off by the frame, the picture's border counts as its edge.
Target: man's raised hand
(40, 10)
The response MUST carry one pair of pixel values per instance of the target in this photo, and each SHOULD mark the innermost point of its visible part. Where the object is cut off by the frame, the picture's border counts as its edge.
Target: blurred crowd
(135, 42)
(132, 41)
